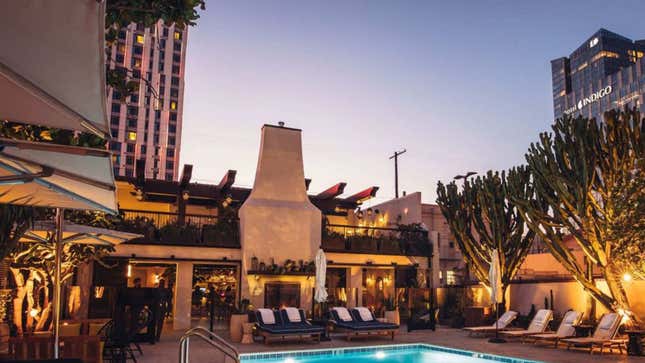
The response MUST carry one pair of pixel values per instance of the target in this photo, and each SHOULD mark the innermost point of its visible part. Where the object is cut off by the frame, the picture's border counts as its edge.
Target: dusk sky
(462, 85)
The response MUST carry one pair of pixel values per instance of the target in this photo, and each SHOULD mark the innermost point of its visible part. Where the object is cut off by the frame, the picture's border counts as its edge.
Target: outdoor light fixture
(185, 195)
(627, 277)
(33, 312)
(129, 273)
(139, 194)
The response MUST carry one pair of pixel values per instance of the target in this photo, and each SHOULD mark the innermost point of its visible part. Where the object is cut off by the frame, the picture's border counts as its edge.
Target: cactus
(575, 170)
(482, 217)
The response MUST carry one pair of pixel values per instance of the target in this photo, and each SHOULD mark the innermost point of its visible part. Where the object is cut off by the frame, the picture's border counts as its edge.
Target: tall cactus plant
(482, 217)
(576, 170)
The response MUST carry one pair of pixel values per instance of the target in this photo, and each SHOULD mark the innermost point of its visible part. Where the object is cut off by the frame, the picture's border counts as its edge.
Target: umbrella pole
(57, 284)
(497, 339)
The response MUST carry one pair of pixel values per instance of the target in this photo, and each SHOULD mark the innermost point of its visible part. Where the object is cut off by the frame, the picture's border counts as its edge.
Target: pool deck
(167, 349)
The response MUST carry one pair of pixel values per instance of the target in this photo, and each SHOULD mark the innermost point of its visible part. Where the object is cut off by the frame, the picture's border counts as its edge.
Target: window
(172, 129)
(116, 95)
(175, 69)
(138, 50)
(169, 176)
(173, 116)
(143, 149)
(134, 99)
(165, 32)
(175, 81)
(174, 92)
(173, 105)
(128, 173)
(171, 140)
(170, 153)
(177, 47)
(114, 132)
(140, 38)
(177, 35)
(114, 120)
(169, 165)
(116, 159)
(129, 160)
(136, 62)
(122, 34)
(116, 107)
(157, 125)
(115, 146)
(132, 123)
(176, 58)
(133, 111)
(132, 136)
(119, 58)
(451, 277)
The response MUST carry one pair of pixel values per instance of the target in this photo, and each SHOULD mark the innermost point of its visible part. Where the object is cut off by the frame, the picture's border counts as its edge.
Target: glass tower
(606, 72)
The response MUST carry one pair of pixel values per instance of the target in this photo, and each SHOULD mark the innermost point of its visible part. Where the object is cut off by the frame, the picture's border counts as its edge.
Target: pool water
(405, 353)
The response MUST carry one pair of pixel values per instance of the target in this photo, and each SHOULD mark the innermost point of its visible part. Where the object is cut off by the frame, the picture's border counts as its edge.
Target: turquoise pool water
(406, 353)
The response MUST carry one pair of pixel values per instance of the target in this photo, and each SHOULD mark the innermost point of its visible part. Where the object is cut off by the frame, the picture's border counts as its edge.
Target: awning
(52, 66)
(78, 234)
(56, 176)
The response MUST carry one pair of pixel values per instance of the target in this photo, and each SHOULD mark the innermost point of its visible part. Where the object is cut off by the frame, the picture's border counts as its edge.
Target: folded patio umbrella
(321, 275)
(52, 67)
(55, 176)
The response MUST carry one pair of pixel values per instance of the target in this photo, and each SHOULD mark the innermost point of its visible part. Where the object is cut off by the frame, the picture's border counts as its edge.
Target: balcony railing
(167, 228)
(376, 240)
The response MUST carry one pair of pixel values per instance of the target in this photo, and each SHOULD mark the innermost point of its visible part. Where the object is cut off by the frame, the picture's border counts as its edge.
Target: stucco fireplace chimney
(277, 220)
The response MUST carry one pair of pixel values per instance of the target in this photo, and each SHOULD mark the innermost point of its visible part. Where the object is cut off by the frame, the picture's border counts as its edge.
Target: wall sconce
(227, 201)
(156, 278)
(98, 292)
(387, 279)
(185, 195)
(369, 211)
(369, 280)
(405, 211)
(139, 194)
(129, 273)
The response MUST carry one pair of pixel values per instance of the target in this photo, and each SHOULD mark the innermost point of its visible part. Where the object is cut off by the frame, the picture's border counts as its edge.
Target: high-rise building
(147, 124)
(606, 72)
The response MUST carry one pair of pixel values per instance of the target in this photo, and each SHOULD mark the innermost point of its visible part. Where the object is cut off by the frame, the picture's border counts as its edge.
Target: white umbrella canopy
(52, 67)
(495, 278)
(320, 294)
(55, 176)
(77, 234)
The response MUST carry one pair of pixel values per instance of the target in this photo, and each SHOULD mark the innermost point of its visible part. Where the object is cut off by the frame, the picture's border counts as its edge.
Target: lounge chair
(360, 322)
(538, 325)
(274, 324)
(565, 330)
(603, 336)
(502, 323)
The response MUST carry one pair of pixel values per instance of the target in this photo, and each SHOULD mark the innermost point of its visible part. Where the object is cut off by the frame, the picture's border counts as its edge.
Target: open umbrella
(78, 234)
(52, 69)
(53, 74)
(320, 294)
(495, 279)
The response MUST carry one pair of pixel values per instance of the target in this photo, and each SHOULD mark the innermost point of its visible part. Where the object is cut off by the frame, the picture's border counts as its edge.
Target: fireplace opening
(277, 295)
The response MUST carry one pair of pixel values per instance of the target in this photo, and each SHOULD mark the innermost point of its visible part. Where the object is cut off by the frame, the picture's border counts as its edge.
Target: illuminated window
(451, 278)
(177, 35)
(582, 66)
(140, 38)
(604, 54)
(173, 105)
(132, 136)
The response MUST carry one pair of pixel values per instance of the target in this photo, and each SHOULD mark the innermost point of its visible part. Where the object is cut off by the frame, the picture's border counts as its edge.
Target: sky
(461, 85)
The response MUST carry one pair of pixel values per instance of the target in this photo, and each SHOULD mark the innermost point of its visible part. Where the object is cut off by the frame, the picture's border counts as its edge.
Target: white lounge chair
(502, 323)
(603, 336)
(565, 330)
(538, 324)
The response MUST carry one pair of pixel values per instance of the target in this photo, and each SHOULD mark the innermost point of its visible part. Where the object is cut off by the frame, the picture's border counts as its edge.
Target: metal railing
(176, 229)
(209, 337)
(378, 240)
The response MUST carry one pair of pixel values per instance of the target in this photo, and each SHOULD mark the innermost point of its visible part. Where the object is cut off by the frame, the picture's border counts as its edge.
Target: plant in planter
(238, 318)
(392, 310)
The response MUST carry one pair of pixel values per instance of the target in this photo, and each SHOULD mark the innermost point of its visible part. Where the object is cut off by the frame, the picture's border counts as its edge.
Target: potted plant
(392, 311)
(240, 316)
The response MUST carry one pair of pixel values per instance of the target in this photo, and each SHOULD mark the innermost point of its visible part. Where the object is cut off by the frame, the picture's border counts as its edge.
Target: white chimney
(277, 220)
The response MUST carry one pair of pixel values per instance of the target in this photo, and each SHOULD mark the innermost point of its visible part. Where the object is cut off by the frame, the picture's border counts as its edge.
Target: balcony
(406, 241)
(165, 228)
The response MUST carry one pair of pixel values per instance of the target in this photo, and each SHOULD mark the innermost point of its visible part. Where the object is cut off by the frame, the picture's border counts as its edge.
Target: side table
(247, 333)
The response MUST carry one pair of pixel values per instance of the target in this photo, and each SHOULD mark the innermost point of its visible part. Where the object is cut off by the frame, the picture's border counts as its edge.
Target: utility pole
(396, 171)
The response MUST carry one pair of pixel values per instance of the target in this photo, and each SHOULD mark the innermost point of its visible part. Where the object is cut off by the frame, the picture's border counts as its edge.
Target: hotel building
(606, 72)
(147, 125)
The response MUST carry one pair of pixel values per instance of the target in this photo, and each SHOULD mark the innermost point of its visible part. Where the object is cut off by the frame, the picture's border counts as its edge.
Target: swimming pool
(404, 353)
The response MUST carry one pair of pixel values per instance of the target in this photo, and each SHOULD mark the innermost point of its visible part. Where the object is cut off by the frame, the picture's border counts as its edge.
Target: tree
(32, 267)
(482, 217)
(578, 171)
(628, 226)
